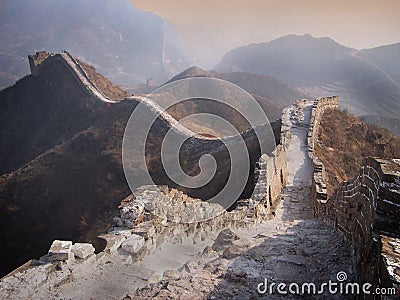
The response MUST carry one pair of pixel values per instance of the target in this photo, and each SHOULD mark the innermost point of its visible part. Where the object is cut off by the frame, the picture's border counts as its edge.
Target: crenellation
(363, 207)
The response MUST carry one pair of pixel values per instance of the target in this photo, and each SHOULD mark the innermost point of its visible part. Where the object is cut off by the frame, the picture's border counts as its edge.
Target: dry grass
(344, 140)
(108, 88)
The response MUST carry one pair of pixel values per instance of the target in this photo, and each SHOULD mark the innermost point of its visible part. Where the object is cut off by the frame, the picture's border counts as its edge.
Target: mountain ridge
(133, 47)
(272, 94)
(322, 66)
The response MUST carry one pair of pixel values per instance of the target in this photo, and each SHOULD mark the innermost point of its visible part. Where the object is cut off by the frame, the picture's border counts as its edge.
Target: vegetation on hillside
(109, 89)
(61, 172)
(344, 140)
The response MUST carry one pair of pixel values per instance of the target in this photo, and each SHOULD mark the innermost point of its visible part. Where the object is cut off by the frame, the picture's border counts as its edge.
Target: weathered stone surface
(145, 230)
(177, 207)
(82, 265)
(189, 267)
(121, 231)
(22, 284)
(391, 257)
(224, 239)
(208, 252)
(133, 244)
(233, 251)
(171, 275)
(60, 251)
(113, 241)
(82, 250)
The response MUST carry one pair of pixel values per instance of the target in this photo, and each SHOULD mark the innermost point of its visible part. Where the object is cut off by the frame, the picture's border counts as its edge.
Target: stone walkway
(291, 248)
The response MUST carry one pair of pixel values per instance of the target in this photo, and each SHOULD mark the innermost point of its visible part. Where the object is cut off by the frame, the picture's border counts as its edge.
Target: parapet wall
(318, 185)
(271, 175)
(366, 209)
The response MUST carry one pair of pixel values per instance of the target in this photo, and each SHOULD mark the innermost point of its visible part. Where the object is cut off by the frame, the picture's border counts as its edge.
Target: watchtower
(35, 60)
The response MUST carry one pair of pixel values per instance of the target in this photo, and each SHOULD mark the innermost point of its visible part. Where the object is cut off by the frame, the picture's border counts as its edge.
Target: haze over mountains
(366, 81)
(138, 45)
(124, 43)
(272, 94)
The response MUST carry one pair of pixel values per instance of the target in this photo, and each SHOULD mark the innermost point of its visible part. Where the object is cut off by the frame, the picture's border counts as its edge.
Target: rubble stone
(60, 251)
(224, 239)
(133, 244)
(82, 250)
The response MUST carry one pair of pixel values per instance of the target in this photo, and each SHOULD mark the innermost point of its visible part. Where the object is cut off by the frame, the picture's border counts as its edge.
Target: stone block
(113, 241)
(82, 250)
(145, 230)
(133, 244)
(60, 251)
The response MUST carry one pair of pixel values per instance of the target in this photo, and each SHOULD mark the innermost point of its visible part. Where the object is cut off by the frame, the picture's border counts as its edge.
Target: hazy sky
(213, 26)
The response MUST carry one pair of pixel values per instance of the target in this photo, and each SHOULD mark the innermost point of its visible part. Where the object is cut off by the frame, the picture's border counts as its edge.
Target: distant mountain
(272, 94)
(366, 81)
(385, 58)
(124, 43)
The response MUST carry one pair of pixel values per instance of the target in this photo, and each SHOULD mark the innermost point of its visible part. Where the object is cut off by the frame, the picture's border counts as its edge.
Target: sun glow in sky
(225, 24)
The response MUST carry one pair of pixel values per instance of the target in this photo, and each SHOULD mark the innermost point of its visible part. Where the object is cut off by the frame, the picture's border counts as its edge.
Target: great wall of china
(289, 219)
(365, 209)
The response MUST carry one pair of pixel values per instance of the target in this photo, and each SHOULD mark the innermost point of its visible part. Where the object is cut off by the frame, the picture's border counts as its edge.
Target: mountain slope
(124, 43)
(384, 58)
(61, 163)
(272, 94)
(344, 140)
(320, 66)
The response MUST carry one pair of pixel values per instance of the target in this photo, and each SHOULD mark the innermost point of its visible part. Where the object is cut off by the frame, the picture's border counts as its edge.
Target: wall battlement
(366, 209)
(319, 186)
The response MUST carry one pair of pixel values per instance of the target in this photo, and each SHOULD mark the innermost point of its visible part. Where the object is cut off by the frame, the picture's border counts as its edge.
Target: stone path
(291, 248)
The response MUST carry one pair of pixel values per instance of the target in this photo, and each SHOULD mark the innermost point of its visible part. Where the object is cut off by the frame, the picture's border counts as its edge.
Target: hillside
(320, 66)
(61, 167)
(108, 88)
(383, 57)
(344, 140)
(272, 94)
(389, 122)
(128, 49)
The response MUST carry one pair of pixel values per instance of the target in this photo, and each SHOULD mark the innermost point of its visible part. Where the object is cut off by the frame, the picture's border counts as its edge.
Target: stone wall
(318, 183)
(366, 209)
(136, 233)
(140, 227)
(271, 175)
